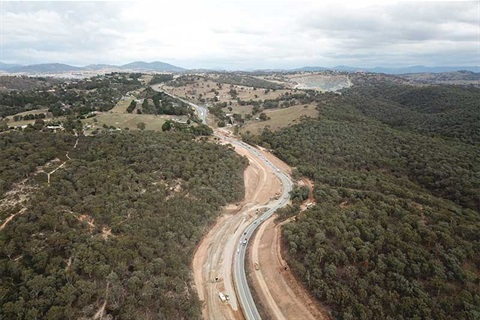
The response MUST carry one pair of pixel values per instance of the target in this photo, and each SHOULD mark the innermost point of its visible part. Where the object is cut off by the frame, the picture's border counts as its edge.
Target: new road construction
(219, 264)
(240, 279)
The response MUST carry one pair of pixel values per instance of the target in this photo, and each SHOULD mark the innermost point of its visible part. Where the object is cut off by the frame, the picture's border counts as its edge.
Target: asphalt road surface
(245, 298)
(239, 276)
(202, 112)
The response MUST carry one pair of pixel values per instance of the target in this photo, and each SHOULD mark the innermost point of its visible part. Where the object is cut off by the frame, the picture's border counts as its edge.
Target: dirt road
(212, 263)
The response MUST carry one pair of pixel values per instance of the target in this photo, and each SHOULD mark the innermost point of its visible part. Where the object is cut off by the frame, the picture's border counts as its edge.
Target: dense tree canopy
(395, 233)
(99, 93)
(449, 111)
(117, 225)
(162, 103)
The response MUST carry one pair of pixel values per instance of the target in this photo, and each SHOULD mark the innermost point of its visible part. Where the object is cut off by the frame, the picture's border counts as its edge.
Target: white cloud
(242, 34)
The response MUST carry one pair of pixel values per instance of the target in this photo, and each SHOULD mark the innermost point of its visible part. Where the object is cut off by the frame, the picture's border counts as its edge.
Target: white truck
(222, 297)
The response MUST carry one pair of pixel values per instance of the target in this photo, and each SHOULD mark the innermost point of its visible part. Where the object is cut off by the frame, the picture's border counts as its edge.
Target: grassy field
(118, 117)
(240, 110)
(128, 120)
(280, 118)
(146, 78)
(203, 87)
(12, 123)
(122, 105)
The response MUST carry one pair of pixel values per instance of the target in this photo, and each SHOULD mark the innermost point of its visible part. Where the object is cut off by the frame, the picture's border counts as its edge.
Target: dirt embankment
(283, 296)
(212, 263)
(279, 291)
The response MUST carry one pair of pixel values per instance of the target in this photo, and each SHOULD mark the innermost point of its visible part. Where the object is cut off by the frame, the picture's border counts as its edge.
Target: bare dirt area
(16, 197)
(212, 263)
(316, 80)
(279, 291)
(21, 191)
(310, 200)
(208, 89)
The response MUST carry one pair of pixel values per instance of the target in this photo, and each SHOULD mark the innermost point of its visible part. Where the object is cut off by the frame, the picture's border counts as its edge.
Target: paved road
(202, 111)
(239, 276)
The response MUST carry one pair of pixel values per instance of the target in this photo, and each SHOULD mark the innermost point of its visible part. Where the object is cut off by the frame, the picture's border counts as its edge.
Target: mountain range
(402, 70)
(60, 67)
(165, 67)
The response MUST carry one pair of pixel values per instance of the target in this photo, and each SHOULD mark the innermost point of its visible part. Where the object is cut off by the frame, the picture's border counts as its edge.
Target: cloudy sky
(243, 34)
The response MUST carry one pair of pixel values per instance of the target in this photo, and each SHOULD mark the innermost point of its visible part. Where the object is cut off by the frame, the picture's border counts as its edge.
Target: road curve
(244, 294)
(202, 112)
(239, 276)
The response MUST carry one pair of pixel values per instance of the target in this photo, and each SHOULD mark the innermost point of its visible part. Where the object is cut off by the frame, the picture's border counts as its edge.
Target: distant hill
(453, 77)
(8, 83)
(166, 67)
(7, 66)
(423, 69)
(311, 69)
(100, 67)
(60, 67)
(403, 70)
(152, 66)
(44, 68)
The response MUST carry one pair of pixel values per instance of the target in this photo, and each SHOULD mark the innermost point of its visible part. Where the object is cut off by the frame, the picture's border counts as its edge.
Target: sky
(242, 35)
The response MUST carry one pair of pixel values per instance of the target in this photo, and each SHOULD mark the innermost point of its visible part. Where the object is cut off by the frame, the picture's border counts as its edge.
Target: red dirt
(279, 290)
(214, 255)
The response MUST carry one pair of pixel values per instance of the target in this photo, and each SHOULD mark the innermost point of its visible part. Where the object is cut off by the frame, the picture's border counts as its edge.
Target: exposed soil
(101, 310)
(310, 200)
(106, 232)
(89, 220)
(275, 284)
(212, 263)
(20, 191)
(16, 197)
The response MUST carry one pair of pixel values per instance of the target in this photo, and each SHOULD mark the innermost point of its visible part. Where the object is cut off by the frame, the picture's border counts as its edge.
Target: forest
(162, 103)
(395, 233)
(448, 111)
(116, 228)
(99, 93)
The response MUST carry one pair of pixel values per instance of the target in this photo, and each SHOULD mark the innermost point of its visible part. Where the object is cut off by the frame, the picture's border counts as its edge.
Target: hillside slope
(114, 233)
(394, 234)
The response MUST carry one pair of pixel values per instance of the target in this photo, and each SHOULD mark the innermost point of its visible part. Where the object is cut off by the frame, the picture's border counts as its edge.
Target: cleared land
(277, 288)
(323, 82)
(286, 297)
(213, 258)
(204, 88)
(280, 118)
(13, 123)
(201, 88)
(120, 118)
(280, 293)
